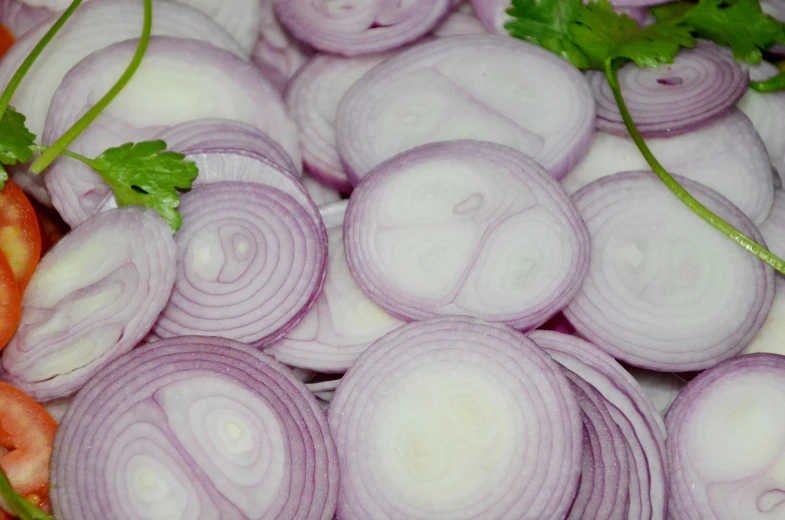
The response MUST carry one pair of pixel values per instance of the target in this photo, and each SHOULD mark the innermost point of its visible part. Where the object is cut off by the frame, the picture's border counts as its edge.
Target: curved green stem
(773, 84)
(19, 75)
(691, 202)
(57, 148)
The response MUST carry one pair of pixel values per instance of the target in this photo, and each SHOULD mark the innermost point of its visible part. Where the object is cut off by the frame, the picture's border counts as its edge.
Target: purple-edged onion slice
(726, 155)
(515, 93)
(672, 99)
(19, 17)
(93, 297)
(354, 27)
(460, 23)
(252, 261)
(624, 433)
(343, 322)
(466, 228)
(200, 81)
(726, 442)
(194, 428)
(453, 418)
(320, 194)
(665, 290)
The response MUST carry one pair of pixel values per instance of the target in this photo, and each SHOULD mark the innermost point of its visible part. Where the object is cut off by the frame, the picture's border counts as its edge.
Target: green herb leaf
(15, 139)
(145, 174)
(20, 507)
(547, 24)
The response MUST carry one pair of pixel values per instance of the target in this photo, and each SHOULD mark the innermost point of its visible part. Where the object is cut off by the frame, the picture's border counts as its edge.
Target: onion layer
(343, 322)
(251, 262)
(735, 471)
(466, 228)
(665, 290)
(320, 194)
(453, 419)
(194, 428)
(93, 297)
(672, 99)
(19, 17)
(199, 81)
(516, 94)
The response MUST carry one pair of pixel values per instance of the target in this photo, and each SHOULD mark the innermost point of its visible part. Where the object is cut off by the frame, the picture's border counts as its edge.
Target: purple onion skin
(151, 408)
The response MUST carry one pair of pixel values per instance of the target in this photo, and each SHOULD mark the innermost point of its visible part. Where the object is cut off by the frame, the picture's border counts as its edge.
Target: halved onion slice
(453, 418)
(466, 228)
(726, 441)
(700, 85)
(252, 260)
(194, 428)
(198, 81)
(343, 322)
(665, 290)
(515, 93)
(93, 297)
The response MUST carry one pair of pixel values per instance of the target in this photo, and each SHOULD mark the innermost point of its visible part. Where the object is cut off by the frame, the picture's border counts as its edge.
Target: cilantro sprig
(142, 173)
(19, 506)
(594, 36)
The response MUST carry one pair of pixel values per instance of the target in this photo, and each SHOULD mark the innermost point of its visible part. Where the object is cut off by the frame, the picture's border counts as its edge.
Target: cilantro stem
(19, 507)
(611, 69)
(59, 146)
(773, 84)
(19, 75)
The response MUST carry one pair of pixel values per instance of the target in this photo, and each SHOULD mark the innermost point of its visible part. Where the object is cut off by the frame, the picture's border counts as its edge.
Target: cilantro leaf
(15, 139)
(547, 24)
(3, 177)
(145, 174)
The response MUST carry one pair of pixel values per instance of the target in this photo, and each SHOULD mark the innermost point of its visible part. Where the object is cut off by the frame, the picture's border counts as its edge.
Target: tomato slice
(6, 40)
(10, 303)
(20, 238)
(27, 433)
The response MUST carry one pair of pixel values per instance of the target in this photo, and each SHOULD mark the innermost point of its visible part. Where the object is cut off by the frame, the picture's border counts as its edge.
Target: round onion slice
(609, 397)
(343, 322)
(515, 93)
(460, 23)
(312, 97)
(93, 297)
(466, 228)
(700, 85)
(726, 441)
(19, 17)
(320, 194)
(251, 262)
(453, 418)
(200, 81)
(726, 155)
(354, 27)
(665, 290)
(194, 428)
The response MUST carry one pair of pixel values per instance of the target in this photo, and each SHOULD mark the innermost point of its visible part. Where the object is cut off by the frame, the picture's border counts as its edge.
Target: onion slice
(733, 472)
(453, 418)
(460, 23)
(515, 93)
(466, 228)
(194, 428)
(93, 297)
(612, 400)
(355, 27)
(252, 261)
(700, 85)
(665, 290)
(200, 80)
(19, 17)
(726, 155)
(320, 194)
(343, 322)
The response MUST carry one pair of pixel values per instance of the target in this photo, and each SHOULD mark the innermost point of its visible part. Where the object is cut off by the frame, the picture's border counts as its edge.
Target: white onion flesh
(320, 194)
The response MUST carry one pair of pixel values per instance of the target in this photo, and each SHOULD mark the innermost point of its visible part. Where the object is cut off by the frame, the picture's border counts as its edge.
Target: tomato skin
(20, 237)
(10, 304)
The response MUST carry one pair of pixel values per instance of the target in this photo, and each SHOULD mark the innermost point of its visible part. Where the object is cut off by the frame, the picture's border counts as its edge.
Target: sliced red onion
(93, 297)
(93, 26)
(240, 18)
(515, 93)
(354, 27)
(726, 155)
(726, 437)
(19, 17)
(58, 407)
(665, 290)
(320, 194)
(194, 428)
(460, 23)
(767, 113)
(252, 261)
(700, 85)
(453, 418)
(660, 387)
(343, 322)
(201, 81)
(466, 228)
(312, 97)
(611, 397)
(773, 228)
